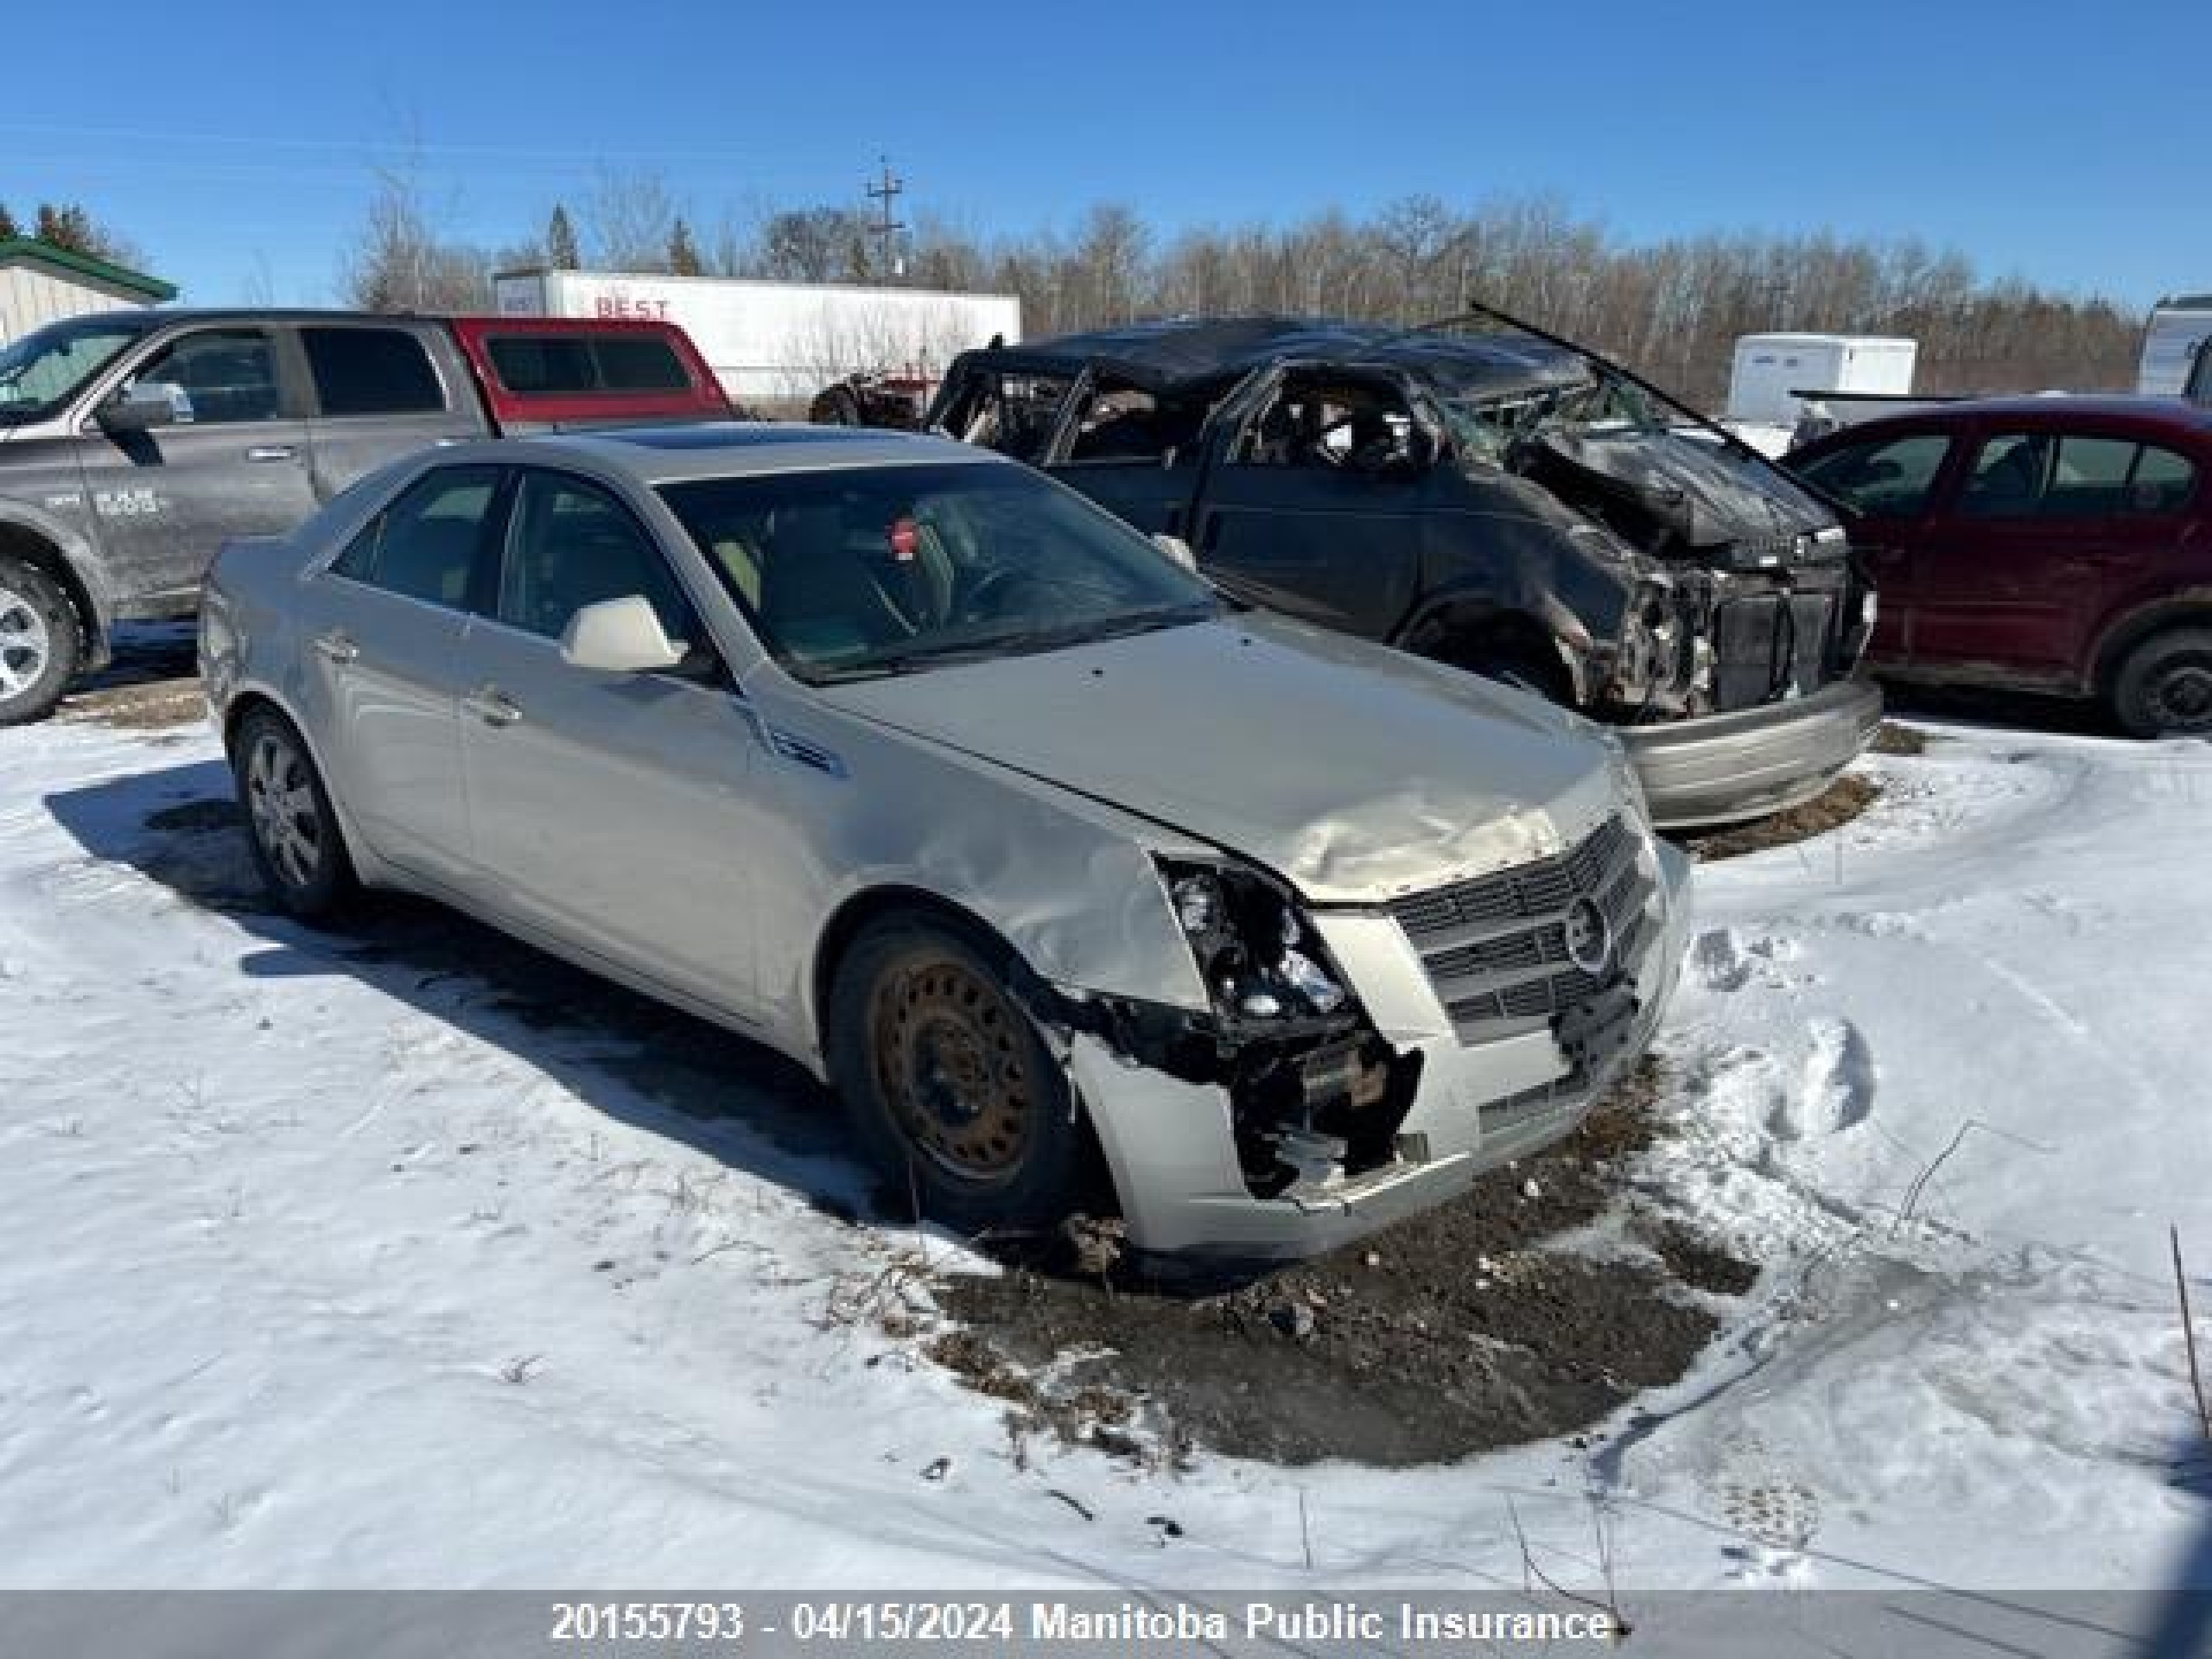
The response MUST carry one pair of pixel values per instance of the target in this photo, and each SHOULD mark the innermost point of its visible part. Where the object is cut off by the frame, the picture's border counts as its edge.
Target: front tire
(39, 646)
(297, 845)
(2164, 688)
(947, 1081)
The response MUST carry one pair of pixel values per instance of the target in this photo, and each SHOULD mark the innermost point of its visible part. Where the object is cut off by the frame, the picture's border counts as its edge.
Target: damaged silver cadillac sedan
(931, 774)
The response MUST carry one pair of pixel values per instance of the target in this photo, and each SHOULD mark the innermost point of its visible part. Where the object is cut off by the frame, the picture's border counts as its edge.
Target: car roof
(150, 318)
(2170, 416)
(667, 454)
(1198, 351)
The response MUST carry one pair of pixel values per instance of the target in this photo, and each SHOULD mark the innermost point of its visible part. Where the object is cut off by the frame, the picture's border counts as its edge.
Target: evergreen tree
(561, 250)
(8, 229)
(684, 258)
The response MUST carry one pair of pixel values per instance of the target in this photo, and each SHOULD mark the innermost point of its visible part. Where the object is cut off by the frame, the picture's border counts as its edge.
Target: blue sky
(236, 143)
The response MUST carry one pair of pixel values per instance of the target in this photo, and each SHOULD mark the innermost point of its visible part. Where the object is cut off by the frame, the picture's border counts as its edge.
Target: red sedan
(2057, 543)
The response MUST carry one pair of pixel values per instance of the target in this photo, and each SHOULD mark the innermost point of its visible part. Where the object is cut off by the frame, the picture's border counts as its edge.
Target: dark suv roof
(1193, 353)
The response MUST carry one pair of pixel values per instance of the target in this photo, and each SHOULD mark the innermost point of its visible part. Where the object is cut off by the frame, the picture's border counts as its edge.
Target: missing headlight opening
(1316, 1095)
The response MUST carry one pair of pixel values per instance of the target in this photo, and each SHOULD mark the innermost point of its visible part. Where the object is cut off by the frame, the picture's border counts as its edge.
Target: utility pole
(885, 192)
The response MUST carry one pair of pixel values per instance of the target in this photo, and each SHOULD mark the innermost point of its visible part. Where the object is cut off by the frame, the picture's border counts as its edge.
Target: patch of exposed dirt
(1843, 800)
(1454, 1333)
(1893, 737)
(140, 705)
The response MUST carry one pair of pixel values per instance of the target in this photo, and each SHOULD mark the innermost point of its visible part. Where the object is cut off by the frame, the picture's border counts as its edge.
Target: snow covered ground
(413, 1260)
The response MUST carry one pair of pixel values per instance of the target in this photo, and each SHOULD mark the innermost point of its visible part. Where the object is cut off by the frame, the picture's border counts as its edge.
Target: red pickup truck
(134, 444)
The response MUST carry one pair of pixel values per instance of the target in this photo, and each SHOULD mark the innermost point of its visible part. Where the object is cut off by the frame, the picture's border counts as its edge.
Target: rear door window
(427, 543)
(2078, 476)
(372, 371)
(564, 365)
(2163, 481)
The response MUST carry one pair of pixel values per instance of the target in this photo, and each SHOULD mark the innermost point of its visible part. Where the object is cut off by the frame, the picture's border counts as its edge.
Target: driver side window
(217, 376)
(1330, 427)
(570, 544)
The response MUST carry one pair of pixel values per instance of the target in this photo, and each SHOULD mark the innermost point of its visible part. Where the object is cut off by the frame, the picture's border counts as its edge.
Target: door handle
(492, 706)
(272, 452)
(336, 646)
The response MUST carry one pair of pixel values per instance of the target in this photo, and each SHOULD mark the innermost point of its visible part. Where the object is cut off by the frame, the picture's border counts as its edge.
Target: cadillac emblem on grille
(1589, 938)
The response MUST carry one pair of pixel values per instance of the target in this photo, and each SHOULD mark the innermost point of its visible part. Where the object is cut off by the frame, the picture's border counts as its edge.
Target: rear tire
(40, 645)
(2165, 687)
(289, 823)
(836, 406)
(947, 1082)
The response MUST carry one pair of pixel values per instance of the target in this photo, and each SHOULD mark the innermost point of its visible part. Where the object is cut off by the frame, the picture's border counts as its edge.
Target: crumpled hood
(1708, 495)
(1358, 773)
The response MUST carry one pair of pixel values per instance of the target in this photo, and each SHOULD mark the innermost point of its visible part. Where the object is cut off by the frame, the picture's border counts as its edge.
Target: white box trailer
(2178, 329)
(777, 344)
(1769, 369)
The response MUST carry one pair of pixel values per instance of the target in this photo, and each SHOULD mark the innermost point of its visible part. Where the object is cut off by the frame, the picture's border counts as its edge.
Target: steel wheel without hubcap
(287, 818)
(949, 1064)
(947, 1079)
(25, 644)
(2180, 699)
(2164, 688)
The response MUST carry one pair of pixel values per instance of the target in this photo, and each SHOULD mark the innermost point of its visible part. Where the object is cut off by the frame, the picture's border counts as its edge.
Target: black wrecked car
(1483, 494)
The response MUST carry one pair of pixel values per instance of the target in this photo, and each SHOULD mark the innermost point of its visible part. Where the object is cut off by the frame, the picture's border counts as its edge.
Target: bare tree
(400, 263)
(629, 221)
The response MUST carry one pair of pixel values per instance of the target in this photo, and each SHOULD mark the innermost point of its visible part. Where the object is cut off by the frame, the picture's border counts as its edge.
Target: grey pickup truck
(134, 444)
(1481, 493)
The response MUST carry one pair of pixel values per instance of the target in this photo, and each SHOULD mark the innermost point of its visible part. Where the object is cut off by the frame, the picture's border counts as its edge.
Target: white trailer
(774, 345)
(2178, 328)
(1770, 370)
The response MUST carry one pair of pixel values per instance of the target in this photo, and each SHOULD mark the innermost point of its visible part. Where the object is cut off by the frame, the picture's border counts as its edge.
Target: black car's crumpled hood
(1703, 496)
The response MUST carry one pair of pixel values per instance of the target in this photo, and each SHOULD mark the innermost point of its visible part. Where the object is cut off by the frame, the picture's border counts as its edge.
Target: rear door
(1136, 452)
(610, 811)
(381, 391)
(382, 647)
(1317, 498)
(2011, 564)
(234, 463)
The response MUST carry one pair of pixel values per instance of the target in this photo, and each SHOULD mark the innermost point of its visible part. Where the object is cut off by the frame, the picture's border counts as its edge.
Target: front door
(234, 463)
(1889, 484)
(611, 811)
(1317, 501)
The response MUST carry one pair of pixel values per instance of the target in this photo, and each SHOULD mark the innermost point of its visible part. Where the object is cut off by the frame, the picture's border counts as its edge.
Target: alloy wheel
(287, 821)
(25, 645)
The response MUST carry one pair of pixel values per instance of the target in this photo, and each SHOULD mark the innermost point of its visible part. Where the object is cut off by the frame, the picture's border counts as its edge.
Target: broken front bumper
(1725, 768)
(1477, 1104)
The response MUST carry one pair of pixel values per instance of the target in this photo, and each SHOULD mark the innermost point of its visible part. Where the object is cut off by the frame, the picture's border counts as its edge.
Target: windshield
(43, 371)
(855, 573)
(1492, 425)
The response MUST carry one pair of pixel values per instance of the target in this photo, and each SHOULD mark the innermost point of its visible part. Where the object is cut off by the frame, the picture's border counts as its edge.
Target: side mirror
(619, 636)
(1178, 549)
(142, 407)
